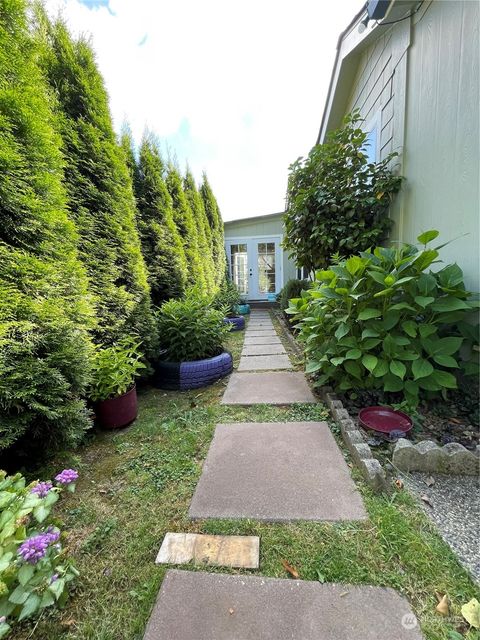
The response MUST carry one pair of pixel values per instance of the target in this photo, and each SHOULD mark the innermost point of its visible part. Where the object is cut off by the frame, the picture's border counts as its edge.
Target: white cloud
(237, 87)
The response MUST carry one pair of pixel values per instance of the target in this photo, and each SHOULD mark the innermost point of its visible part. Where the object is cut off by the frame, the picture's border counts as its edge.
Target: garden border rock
(370, 468)
(428, 457)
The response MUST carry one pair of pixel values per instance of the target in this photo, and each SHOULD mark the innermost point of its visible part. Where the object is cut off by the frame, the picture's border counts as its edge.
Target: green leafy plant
(381, 320)
(292, 289)
(115, 369)
(34, 568)
(227, 299)
(191, 329)
(336, 200)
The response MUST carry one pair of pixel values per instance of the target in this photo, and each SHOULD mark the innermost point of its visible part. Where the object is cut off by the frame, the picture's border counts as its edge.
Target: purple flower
(35, 548)
(41, 489)
(67, 476)
(54, 578)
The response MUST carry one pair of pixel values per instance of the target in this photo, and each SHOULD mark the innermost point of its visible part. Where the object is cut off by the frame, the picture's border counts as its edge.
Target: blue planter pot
(243, 309)
(237, 323)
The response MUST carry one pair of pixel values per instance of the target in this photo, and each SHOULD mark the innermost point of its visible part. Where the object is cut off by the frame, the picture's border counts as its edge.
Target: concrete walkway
(278, 472)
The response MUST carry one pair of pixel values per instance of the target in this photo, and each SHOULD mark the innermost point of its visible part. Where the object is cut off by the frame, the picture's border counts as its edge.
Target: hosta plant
(382, 319)
(34, 568)
(115, 368)
(191, 329)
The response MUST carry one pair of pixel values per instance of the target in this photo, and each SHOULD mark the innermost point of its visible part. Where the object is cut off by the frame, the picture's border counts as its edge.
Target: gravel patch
(455, 510)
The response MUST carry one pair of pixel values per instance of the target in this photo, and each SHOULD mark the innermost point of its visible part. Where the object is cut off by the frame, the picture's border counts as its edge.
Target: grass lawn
(137, 484)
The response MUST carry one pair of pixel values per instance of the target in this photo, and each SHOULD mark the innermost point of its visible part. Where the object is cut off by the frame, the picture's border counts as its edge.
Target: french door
(255, 265)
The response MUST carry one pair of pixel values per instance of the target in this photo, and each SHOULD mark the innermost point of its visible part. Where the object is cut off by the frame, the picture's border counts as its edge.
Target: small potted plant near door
(191, 334)
(227, 300)
(113, 391)
(243, 307)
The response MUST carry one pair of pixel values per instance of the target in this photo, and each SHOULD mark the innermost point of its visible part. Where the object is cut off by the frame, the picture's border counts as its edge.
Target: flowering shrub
(34, 570)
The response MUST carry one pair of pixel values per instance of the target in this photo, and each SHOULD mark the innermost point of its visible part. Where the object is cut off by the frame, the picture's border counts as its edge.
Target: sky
(236, 89)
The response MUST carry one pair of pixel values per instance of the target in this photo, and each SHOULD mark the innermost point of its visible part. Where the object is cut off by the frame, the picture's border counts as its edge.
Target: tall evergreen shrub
(44, 305)
(186, 226)
(216, 228)
(162, 245)
(195, 202)
(100, 191)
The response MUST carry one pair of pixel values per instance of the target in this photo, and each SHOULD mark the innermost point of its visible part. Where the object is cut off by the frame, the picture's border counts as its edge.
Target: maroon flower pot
(117, 412)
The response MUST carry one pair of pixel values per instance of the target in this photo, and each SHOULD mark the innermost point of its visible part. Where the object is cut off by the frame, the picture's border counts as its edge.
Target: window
(302, 273)
(239, 267)
(266, 267)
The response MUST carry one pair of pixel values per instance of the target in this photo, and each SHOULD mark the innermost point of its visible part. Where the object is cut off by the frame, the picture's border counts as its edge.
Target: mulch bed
(455, 419)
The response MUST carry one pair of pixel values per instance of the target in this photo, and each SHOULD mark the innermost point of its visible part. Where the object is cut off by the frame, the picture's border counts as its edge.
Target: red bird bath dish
(386, 421)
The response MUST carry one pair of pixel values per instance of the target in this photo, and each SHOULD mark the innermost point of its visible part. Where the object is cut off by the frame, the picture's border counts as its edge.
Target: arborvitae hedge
(203, 231)
(216, 226)
(100, 192)
(44, 305)
(162, 246)
(187, 229)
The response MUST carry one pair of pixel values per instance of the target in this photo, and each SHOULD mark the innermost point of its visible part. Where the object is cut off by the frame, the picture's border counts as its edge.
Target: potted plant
(227, 300)
(191, 335)
(113, 389)
(243, 307)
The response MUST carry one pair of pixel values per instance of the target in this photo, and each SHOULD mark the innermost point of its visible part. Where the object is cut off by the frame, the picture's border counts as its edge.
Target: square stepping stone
(263, 349)
(264, 363)
(225, 551)
(261, 340)
(274, 387)
(278, 472)
(213, 606)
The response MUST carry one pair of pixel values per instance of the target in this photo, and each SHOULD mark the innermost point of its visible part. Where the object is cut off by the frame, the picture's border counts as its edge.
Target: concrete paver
(263, 349)
(277, 472)
(264, 363)
(207, 606)
(260, 333)
(261, 340)
(274, 387)
(226, 551)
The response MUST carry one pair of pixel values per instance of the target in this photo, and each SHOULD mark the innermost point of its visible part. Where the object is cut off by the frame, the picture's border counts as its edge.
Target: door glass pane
(239, 267)
(266, 267)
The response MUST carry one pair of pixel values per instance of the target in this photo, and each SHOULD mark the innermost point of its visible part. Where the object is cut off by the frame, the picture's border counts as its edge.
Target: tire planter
(118, 412)
(194, 374)
(237, 322)
(244, 309)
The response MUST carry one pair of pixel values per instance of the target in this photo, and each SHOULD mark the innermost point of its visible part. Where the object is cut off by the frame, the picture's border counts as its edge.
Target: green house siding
(419, 81)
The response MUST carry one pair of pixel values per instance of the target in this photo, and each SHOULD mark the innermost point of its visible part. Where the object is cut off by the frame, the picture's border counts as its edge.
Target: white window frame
(373, 124)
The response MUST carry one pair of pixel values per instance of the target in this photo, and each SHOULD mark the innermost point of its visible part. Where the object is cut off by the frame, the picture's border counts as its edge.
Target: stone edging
(370, 468)
(278, 315)
(426, 456)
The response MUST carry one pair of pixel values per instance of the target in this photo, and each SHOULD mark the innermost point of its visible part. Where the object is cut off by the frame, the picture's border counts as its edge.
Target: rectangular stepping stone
(264, 363)
(260, 333)
(260, 325)
(225, 551)
(261, 340)
(274, 387)
(278, 472)
(263, 349)
(213, 606)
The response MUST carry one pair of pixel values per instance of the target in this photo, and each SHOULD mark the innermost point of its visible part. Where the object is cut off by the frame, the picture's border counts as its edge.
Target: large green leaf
(390, 319)
(313, 366)
(381, 369)
(341, 331)
(398, 369)
(428, 236)
(445, 379)
(449, 303)
(424, 301)
(421, 368)
(369, 361)
(369, 333)
(369, 313)
(410, 328)
(427, 330)
(353, 368)
(353, 354)
(446, 361)
(392, 383)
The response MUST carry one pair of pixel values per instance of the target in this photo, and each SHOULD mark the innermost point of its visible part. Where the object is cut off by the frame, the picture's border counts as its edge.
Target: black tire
(193, 375)
(237, 322)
